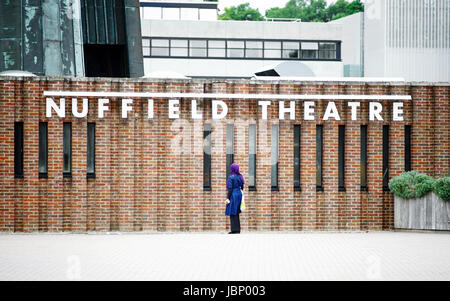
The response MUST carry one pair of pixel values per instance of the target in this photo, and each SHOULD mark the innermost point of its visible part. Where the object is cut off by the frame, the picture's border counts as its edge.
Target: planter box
(426, 213)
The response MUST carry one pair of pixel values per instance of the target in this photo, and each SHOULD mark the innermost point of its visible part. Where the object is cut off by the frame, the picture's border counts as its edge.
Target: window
(290, 50)
(230, 147)
(341, 158)
(272, 50)
(216, 48)
(171, 13)
(309, 50)
(90, 164)
(151, 13)
(67, 149)
(207, 157)
(235, 49)
(327, 51)
(43, 150)
(386, 157)
(197, 48)
(18, 149)
(160, 47)
(254, 49)
(319, 157)
(178, 47)
(297, 133)
(408, 148)
(240, 49)
(274, 157)
(207, 14)
(252, 157)
(189, 13)
(363, 165)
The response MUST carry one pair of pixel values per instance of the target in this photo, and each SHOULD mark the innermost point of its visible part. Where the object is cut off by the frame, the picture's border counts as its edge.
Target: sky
(262, 5)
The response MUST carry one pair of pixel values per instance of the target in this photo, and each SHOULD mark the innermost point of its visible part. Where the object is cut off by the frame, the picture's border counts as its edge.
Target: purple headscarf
(234, 170)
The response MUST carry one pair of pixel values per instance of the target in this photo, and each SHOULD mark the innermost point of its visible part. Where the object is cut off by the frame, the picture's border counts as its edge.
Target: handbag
(242, 201)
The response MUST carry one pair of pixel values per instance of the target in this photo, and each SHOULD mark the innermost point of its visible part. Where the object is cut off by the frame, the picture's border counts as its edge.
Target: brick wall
(149, 173)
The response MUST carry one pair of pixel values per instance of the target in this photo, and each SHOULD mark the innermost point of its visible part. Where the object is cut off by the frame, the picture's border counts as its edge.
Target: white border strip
(330, 79)
(223, 96)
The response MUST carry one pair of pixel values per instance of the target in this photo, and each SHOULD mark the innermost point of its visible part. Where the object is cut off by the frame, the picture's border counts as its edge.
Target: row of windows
(296, 148)
(43, 150)
(90, 170)
(249, 49)
(178, 13)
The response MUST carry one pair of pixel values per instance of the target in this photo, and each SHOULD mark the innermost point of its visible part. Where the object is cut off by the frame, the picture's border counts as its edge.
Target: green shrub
(441, 188)
(411, 184)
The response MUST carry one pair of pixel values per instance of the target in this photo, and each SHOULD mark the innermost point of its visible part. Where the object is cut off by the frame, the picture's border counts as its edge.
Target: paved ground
(218, 256)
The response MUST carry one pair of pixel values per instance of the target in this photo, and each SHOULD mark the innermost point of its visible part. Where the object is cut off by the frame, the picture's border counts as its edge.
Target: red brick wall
(149, 173)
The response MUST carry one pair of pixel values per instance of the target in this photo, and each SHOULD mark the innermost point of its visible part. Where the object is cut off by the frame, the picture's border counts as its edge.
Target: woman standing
(235, 183)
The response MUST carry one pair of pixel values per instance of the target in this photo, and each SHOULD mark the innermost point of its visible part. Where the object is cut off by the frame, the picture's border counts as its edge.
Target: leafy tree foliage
(241, 12)
(306, 10)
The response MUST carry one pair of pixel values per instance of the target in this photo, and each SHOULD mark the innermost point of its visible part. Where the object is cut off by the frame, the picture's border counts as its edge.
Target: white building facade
(392, 38)
(407, 38)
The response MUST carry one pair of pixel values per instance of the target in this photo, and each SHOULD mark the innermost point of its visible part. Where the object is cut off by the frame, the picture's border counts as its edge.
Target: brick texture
(149, 172)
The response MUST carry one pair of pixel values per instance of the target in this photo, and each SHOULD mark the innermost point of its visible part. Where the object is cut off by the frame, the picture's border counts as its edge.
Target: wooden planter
(426, 213)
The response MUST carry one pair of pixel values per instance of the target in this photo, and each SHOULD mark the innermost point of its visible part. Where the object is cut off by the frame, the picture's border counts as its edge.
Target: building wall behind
(42, 37)
(408, 39)
(149, 173)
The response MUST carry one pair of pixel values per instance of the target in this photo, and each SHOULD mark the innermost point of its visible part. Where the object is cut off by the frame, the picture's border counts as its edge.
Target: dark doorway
(105, 60)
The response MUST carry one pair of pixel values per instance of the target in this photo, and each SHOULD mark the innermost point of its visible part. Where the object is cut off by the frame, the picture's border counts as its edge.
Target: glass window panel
(160, 51)
(208, 14)
(274, 156)
(252, 156)
(272, 45)
(235, 52)
(290, 53)
(254, 44)
(363, 163)
(152, 13)
(213, 52)
(207, 157)
(272, 53)
(146, 42)
(290, 45)
(43, 147)
(385, 157)
(178, 43)
(188, 13)
(229, 147)
(198, 52)
(160, 42)
(341, 158)
(309, 54)
(146, 51)
(90, 166)
(171, 13)
(235, 44)
(327, 46)
(216, 44)
(327, 54)
(67, 147)
(178, 52)
(18, 149)
(310, 46)
(297, 132)
(408, 133)
(319, 156)
(258, 53)
(197, 43)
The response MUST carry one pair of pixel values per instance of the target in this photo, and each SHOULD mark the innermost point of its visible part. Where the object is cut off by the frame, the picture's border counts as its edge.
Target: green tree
(241, 12)
(337, 10)
(355, 7)
(315, 10)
